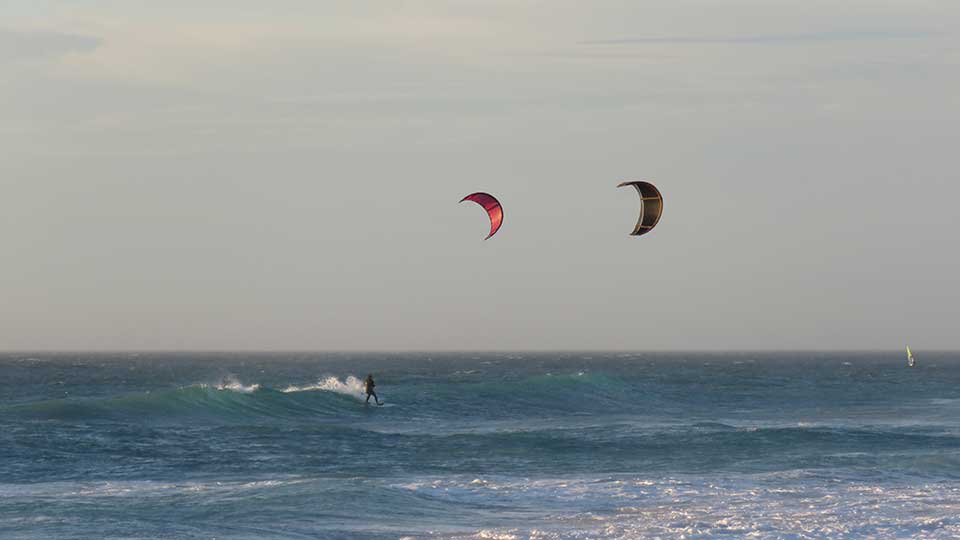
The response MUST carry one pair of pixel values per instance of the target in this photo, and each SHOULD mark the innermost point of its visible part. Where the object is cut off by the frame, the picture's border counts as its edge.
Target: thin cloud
(19, 44)
(762, 39)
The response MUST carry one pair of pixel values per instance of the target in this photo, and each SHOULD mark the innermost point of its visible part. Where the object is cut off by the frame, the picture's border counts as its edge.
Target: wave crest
(231, 383)
(228, 399)
(351, 386)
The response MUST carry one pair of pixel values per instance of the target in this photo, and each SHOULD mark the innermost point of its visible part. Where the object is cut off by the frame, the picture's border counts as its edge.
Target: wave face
(230, 401)
(480, 446)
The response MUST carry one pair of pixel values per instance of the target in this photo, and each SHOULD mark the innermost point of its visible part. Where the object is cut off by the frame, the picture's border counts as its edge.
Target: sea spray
(351, 386)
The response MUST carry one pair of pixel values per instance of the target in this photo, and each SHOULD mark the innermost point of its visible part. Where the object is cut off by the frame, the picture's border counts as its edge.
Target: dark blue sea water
(472, 446)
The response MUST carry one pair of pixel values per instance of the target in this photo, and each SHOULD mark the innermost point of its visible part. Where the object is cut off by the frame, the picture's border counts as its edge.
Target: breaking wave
(228, 399)
(351, 386)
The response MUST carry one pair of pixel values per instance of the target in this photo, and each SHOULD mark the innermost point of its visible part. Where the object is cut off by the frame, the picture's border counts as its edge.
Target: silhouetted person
(368, 388)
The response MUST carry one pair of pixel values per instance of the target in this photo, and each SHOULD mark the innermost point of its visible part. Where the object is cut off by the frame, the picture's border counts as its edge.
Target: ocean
(480, 446)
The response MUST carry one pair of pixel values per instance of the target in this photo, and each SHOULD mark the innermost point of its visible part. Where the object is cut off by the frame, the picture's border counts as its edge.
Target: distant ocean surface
(479, 446)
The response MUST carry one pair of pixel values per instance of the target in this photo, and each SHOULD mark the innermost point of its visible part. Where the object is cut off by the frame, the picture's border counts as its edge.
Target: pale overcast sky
(240, 174)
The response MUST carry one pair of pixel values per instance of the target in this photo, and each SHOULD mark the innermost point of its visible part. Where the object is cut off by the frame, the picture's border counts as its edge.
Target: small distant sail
(911, 361)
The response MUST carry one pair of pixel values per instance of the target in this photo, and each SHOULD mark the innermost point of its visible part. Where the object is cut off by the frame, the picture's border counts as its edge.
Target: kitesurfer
(368, 388)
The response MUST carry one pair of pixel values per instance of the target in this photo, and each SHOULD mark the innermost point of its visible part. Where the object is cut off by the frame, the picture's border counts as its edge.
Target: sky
(248, 175)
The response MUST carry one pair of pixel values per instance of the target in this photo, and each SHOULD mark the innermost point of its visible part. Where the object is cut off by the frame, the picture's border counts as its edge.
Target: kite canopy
(651, 206)
(493, 208)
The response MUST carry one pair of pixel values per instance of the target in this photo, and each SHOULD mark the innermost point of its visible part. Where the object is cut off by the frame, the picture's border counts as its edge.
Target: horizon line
(457, 351)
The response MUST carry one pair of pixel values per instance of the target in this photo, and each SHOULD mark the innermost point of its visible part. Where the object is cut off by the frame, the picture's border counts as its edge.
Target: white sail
(911, 362)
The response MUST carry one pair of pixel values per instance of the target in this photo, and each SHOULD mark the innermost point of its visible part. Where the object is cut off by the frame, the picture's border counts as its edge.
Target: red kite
(493, 208)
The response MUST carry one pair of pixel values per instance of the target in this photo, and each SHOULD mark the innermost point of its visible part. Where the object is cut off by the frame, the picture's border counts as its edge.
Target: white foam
(233, 384)
(495, 535)
(351, 386)
(767, 506)
(140, 488)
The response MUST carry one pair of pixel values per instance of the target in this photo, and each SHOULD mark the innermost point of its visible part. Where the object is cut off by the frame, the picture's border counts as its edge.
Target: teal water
(509, 446)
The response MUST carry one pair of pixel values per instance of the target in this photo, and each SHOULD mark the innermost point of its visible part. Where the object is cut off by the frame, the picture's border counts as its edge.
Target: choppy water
(480, 446)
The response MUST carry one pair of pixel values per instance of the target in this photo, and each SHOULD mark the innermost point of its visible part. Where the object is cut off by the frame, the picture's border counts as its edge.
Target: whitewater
(480, 446)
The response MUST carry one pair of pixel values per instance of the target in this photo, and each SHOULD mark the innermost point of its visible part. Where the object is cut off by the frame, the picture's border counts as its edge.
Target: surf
(225, 400)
